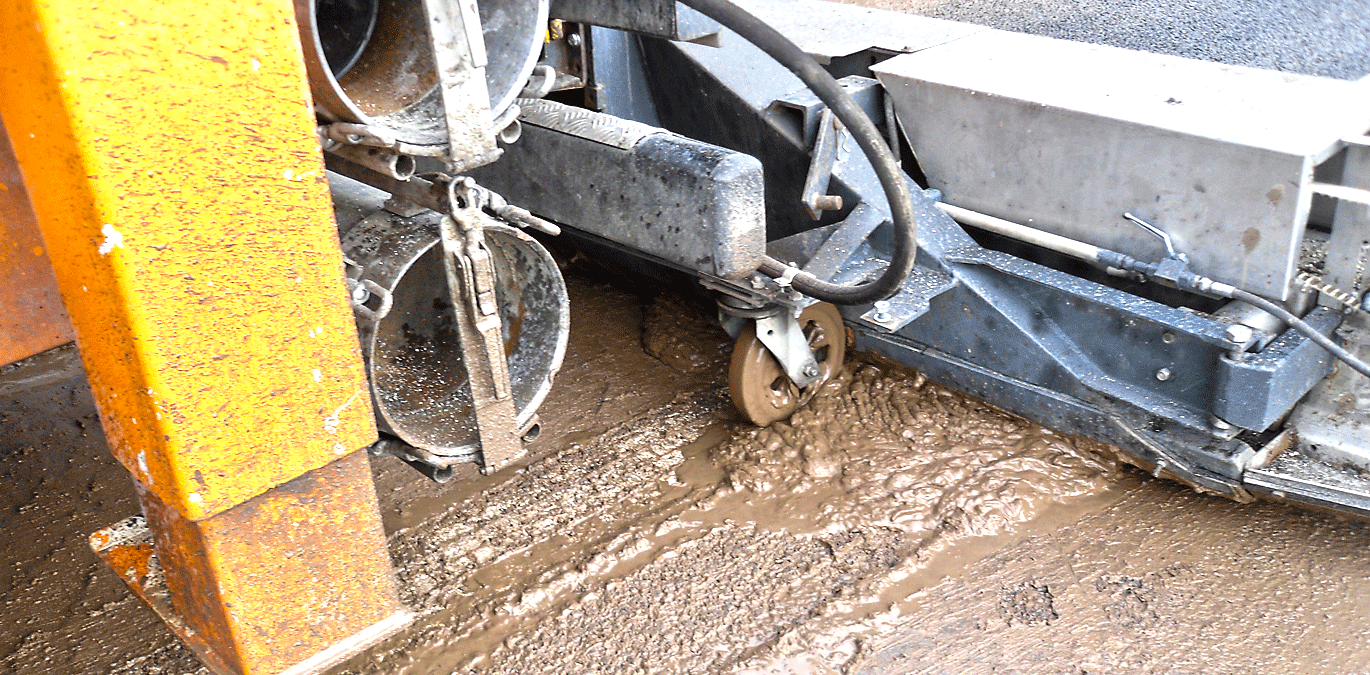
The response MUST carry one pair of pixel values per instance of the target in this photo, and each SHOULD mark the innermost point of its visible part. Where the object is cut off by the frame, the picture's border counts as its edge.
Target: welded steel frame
(1154, 379)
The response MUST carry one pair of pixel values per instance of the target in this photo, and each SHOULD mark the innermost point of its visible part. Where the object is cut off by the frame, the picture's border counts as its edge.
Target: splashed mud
(687, 542)
(890, 525)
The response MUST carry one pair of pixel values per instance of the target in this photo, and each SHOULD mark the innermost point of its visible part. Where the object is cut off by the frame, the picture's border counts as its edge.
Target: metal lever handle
(1170, 251)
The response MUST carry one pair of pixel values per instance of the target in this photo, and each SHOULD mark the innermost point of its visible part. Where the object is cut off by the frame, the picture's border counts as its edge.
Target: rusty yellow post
(168, 146)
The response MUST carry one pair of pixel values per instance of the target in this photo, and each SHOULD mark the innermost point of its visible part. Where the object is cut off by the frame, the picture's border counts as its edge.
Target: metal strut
(471, 282)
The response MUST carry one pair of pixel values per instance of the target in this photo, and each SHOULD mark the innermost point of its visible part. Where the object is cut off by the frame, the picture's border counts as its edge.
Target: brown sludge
(653, 532)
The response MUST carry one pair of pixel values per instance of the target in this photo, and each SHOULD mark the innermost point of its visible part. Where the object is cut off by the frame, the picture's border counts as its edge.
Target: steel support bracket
(784, 337)
(459, 55)
(471, 281)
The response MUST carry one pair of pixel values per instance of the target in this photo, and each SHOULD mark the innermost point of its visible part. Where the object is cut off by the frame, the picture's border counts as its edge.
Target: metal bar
(1342, 192)
(208, 301)
(471, 282)
(1047, 240)
(459, 54)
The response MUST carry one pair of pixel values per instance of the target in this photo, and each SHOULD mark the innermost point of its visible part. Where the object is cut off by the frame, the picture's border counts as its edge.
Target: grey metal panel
(658, 18)
(1067, 136)
(685, 201)
(1255, 392)
(619, 77)
(1297, 477)
(1348, 249)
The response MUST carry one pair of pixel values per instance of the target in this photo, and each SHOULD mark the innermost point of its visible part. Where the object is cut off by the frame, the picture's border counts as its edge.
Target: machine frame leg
(169, 149)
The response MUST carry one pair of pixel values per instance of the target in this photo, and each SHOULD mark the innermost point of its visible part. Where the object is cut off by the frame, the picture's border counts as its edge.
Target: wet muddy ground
(892, 526)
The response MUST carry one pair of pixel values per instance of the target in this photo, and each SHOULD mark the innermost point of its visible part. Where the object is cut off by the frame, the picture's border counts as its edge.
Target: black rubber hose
(1303, 327)
(867, 136)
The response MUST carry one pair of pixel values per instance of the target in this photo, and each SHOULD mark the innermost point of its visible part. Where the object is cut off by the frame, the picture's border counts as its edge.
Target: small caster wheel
(761, 390)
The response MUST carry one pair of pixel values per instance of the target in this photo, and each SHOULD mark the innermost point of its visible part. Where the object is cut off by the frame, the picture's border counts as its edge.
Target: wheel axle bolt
(882, 310)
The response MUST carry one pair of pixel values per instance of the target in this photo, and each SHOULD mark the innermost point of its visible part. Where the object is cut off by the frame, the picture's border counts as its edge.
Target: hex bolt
(573, 39)
(360, 294)
(810, 371)
(757, 282)
(1239, 334)
(1163, 374)
(882, 311)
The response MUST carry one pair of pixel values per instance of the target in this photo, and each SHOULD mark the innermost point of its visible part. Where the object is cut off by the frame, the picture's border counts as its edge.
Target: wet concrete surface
(892, 526)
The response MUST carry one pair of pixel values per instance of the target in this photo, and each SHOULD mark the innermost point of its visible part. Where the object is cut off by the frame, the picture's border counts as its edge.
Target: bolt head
(810, 371)
(360, 294)
(1239, 334)
(1219, 423)
(1163, 374)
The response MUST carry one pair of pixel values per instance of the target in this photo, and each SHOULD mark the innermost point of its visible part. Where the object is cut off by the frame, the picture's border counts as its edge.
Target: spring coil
(1316, 283)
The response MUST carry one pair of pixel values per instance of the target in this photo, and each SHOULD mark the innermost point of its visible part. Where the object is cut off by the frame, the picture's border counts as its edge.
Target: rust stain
(129, 562)
(34, 319)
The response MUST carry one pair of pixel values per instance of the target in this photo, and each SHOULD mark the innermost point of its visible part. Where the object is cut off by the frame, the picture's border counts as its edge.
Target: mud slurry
(649, 530)
(686, 542)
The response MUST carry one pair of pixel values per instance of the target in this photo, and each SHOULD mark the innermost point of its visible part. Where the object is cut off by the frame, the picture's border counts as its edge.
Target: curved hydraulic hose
(1303, 327)
(867, 136)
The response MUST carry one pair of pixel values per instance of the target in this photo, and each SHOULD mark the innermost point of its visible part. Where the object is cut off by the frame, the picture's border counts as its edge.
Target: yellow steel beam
(33, 318)
(168, 146)
(171, 156)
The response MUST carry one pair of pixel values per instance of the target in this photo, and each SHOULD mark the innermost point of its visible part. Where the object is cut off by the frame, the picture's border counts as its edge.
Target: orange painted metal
(231, 577)
(169, 150)
(170, 153)
(32, 318)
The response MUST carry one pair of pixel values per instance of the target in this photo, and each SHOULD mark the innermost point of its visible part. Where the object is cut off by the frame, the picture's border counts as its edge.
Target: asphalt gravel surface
(1330, 38)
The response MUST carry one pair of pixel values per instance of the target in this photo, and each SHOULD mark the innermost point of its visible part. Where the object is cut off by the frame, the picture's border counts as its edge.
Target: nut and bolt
(810, 371)
(1163, 374)
(882, 311)
(573, 39)
(757, 282)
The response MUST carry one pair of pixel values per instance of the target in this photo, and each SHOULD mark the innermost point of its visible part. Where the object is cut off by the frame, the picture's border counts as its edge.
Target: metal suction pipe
(370, 62)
